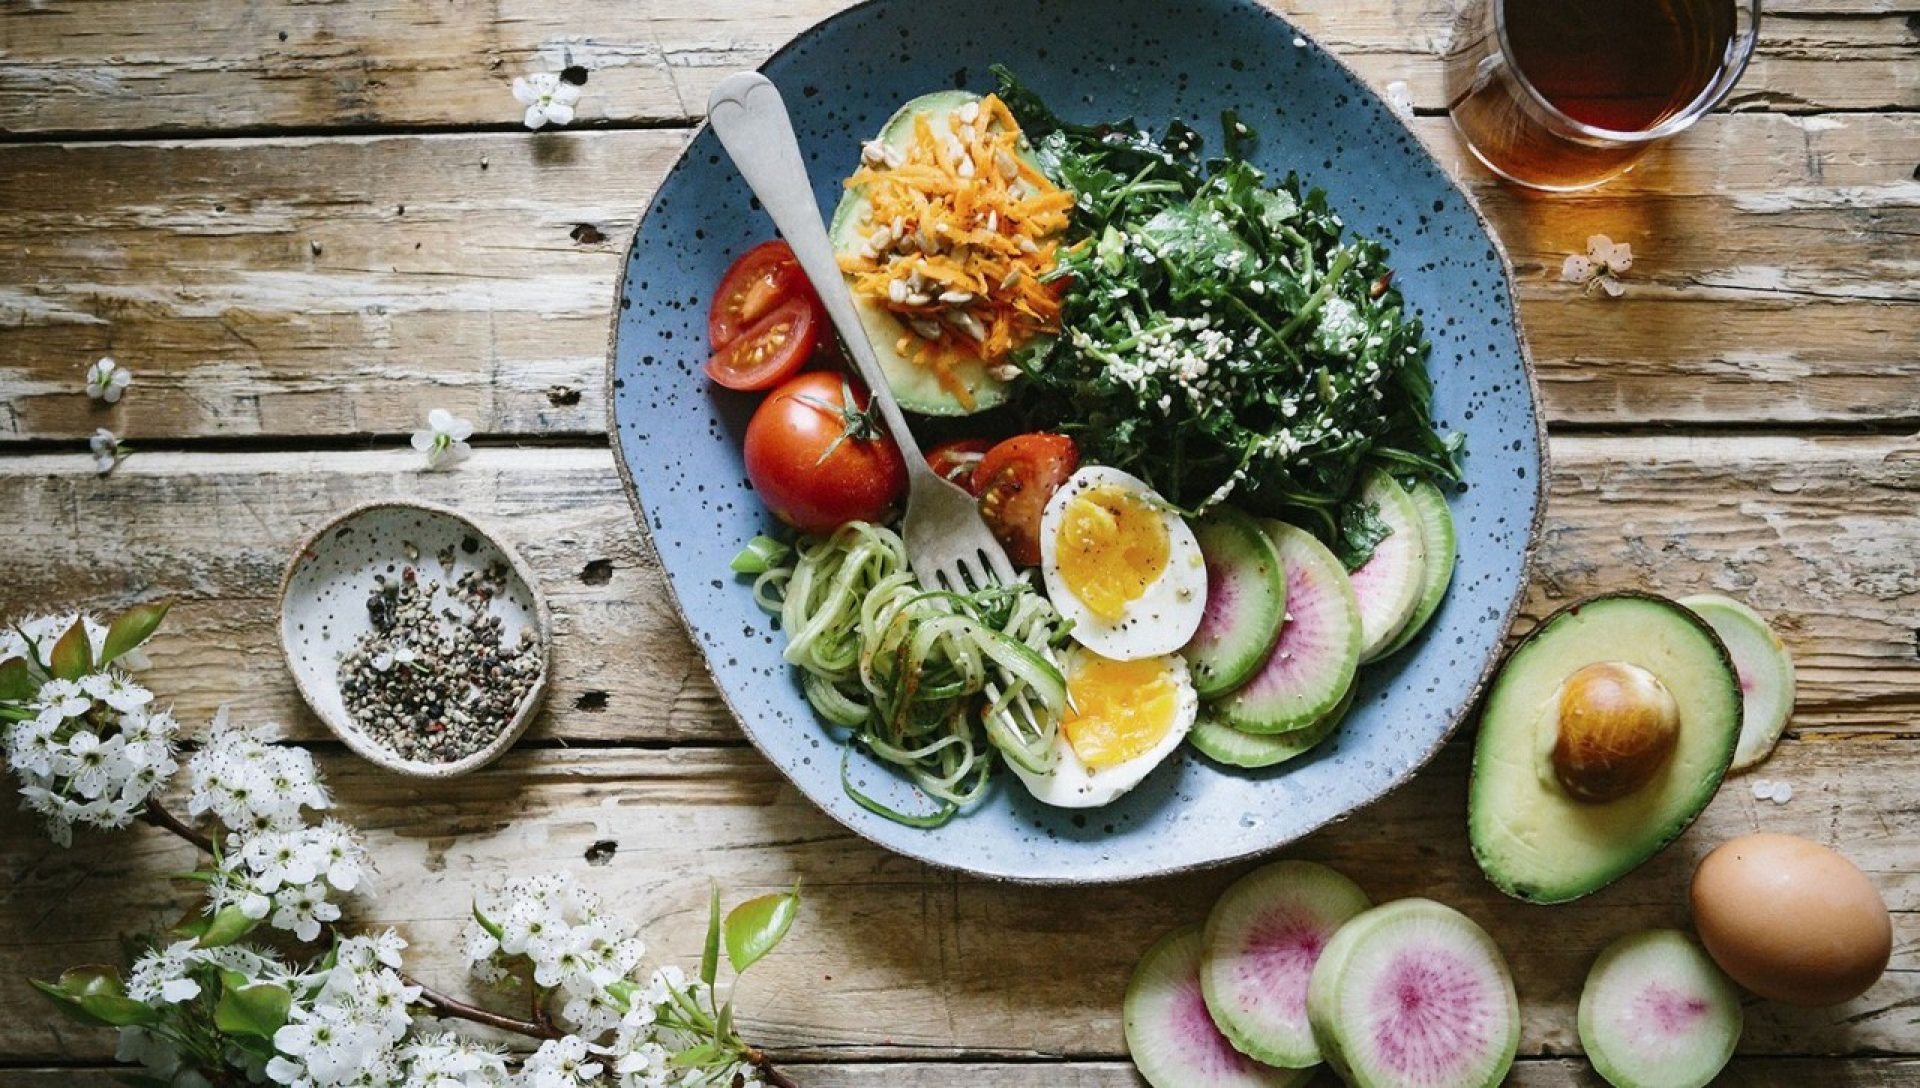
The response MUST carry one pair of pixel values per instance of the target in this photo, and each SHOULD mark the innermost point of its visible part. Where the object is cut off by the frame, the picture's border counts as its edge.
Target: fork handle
(748, 115)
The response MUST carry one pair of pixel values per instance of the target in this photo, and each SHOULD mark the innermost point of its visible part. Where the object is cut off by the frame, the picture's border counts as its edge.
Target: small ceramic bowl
(323, 611)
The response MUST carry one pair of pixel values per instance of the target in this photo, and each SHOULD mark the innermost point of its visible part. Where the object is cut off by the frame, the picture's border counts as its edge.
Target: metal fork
(948, 545)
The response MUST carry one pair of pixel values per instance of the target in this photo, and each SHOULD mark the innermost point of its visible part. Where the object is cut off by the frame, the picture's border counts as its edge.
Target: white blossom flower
(548, 98)
(107, 380)
(107, 451)
(445, 439)
(160, 975)
(250, 784)
(91, 753)
(563, 931)
(447, 1061)
(566, 1062)
(1600, 266)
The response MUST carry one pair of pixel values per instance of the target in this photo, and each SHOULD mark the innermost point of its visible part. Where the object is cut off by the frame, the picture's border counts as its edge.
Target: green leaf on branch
(723, 1028)
(226, 926)
(16, 680)
(93, 995)
(258, 1009)
(73, 654)
(695, 1056)
(754, 927)
(710, 955)
(133, 627)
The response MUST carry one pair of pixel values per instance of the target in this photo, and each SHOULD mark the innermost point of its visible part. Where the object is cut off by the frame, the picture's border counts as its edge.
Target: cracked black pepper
(435, 680)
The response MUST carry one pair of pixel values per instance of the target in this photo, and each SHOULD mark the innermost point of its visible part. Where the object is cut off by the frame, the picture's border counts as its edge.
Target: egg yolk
(1118, 710)
(1112, 546)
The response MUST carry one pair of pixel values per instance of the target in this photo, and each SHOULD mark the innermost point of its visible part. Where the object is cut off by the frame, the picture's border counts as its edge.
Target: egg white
(1073, 784)
(1159, 621)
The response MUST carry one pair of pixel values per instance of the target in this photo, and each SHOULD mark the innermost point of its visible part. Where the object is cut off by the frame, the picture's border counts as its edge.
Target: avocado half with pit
(914, 386)
(1606, 732)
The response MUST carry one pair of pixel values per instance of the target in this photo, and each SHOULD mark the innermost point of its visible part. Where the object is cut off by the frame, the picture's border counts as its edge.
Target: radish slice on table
(1657, 1013)
(1765, 670)
(1414, 995)
(1170, 1035)
(1261, 942)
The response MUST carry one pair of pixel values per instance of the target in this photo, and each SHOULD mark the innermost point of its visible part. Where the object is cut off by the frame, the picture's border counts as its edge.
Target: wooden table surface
(302, 225)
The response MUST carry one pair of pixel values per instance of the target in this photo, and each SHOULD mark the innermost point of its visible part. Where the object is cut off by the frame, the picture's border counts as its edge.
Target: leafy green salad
(1222, 335)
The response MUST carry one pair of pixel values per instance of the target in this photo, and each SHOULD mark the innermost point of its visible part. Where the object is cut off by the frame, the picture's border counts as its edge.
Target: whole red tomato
(819, 462)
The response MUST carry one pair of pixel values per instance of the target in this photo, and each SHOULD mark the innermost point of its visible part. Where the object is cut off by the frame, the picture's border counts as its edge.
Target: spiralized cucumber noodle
(931, 681)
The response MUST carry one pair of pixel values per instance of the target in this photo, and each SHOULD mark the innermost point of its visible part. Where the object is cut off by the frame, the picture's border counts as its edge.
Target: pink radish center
(1204, 1050)
(1218, 616)
(1300, 635)
(1273, 969)
(1431, 1016)
(1668, 1010)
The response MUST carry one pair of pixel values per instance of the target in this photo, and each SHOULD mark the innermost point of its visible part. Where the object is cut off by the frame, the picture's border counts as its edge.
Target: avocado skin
(1641, 617)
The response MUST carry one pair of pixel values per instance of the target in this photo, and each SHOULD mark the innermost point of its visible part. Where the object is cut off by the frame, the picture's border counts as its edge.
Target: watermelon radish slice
(1259, 948)
(1436, 532)
(1313, 664)
(1388, 584)
(1414, 995)
(1765, 670)
(1171, 1037)
(1224, 744)
(1246, 602)
(1657, 1013)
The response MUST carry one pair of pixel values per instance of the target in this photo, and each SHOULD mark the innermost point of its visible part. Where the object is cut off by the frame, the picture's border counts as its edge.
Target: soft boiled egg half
(1122, 719)
(1122, 565)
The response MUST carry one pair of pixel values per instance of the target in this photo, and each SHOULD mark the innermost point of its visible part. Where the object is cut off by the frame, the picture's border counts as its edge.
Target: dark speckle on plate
(1152, 60)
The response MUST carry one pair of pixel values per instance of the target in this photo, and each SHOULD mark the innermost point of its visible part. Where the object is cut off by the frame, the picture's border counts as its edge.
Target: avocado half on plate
(1606, 732)
(915, 386)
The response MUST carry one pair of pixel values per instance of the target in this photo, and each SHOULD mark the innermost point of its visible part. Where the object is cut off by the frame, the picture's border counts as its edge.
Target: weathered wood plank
(335, 286)
(894, 958)
(1818, 533)
(1529, 1073)
(177, 65)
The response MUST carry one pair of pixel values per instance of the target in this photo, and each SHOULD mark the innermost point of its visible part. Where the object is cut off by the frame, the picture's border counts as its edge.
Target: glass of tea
(1564, 94)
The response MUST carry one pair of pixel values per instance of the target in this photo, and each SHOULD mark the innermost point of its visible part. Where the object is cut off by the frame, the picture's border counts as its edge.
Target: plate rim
(1475, 693)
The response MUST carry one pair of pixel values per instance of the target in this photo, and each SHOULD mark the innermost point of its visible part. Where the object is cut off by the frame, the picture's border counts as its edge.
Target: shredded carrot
(959, 237)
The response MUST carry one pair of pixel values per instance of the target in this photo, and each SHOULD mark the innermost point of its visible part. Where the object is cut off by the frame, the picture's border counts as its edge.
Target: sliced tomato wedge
(1014, 481)
(957, 459)
(776, 346)
(763, 277)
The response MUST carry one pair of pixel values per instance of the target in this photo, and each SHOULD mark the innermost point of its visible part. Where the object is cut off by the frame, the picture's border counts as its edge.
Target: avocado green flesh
(916, 387)
(1535, 841)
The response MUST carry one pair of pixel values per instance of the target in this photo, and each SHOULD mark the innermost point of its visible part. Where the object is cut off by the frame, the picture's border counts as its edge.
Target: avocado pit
(1615, 725)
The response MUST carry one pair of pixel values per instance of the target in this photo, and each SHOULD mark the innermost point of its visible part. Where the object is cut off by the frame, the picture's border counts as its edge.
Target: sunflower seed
(967, 323)
(896, 291)
(968, 113)
(927, 330)
(956, 298)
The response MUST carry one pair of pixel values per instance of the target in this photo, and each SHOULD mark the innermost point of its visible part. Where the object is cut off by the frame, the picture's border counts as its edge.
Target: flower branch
(203, 1007)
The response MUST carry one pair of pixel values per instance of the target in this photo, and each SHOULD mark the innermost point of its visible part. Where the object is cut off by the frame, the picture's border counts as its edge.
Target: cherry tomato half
(771, 350)
(763, 277)
(957, 459)
(1014, 481)
(817, 462)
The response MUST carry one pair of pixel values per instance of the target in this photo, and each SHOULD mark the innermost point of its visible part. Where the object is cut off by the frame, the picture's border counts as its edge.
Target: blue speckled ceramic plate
(678, 438)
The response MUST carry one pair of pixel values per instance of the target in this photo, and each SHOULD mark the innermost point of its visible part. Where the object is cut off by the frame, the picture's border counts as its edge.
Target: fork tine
(1000, 566)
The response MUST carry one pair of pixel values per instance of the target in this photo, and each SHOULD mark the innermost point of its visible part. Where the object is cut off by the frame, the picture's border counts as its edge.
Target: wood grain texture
(895, 959)
(1529, 1073)
(1818, 533)
(181, 65)
(299, 287)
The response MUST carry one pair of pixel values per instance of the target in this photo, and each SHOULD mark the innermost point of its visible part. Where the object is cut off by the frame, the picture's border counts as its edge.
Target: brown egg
(1791, 920)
